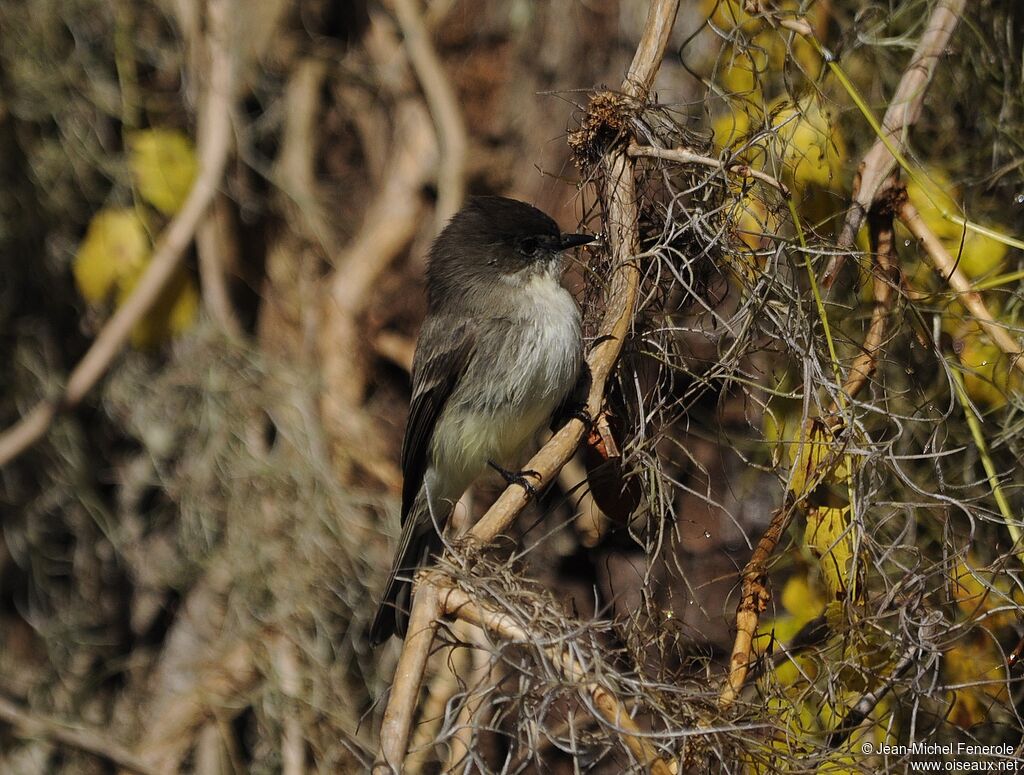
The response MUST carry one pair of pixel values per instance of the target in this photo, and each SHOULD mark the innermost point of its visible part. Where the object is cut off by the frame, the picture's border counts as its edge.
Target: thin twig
(91, 741)
(620, 195)
(686, 156)
(459, 603)
(476, 678)
(900, 116)
(948, 268)
(214, 144)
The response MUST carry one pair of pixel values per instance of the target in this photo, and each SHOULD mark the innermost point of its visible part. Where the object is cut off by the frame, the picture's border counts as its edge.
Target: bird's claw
(573, 412)
(518, 477)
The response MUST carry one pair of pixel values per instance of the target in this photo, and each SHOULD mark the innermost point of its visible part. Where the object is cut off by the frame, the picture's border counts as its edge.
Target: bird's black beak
(573, 240)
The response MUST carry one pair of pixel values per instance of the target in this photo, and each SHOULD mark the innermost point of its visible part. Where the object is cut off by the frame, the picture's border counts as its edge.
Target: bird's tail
(418, 543)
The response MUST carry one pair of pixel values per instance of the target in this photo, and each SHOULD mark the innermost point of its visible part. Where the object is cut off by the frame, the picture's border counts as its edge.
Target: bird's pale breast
(525, 378)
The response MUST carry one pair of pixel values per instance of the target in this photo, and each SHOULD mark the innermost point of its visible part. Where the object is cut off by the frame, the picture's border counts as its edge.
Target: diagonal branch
(214, 145)
(623, 237)
(754, 594)
(91, 741)
(946, 265)
(900, 117)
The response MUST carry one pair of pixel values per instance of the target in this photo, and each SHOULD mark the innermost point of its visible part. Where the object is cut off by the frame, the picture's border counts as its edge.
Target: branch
(459, 603)
(217, 251)
(754, 595)
(214, 144)
(754, 599)
(405, 688)
(91, 741)
(948, 268)
(901, 115)
(886, 278)
(686, 156)
(621, 216)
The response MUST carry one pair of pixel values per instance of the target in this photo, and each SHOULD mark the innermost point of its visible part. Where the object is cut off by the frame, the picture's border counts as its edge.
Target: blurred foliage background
(190, 556)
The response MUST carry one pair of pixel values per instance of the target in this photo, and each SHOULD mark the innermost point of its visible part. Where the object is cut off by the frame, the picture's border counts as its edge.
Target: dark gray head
(494, 242)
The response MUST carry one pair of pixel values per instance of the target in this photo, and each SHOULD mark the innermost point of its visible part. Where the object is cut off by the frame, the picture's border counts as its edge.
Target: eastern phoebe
(500, 350)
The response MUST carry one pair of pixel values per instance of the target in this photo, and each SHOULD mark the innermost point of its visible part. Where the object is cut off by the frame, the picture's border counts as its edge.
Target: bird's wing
(436, 372)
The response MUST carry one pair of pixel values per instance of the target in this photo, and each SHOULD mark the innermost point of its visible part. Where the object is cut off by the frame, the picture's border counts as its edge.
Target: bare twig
(91, 741)
(390, 223)
(901, 115)
(396, 348)
(214, 144)
(686, 156)
(886, 280)
(444, 109)
(754, 599)
(477, 676)
(591, 523)
(620, 196)
(449, 665)
(948, 268)
(461, 604)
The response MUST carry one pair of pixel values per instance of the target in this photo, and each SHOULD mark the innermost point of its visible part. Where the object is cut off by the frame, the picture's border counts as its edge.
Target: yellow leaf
(739, 77)
(175, 310)
(163, 162)
(800, 600)
(753, 224)
(989, 374)
(829, 536)
(979, 594)
(730, 15)
(977, 255)
(977, 668)
(808, 455)
(115, 246)
(810, 148)
(730, 127)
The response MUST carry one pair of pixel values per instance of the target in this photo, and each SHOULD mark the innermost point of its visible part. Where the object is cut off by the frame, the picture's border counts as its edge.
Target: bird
(499, 351)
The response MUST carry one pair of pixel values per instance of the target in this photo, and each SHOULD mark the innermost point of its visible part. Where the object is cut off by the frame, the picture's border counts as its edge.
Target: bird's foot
(574, 412)
(518, 477)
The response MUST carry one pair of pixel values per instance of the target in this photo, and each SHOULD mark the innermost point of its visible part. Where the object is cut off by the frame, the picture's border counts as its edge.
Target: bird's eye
(529, 246)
